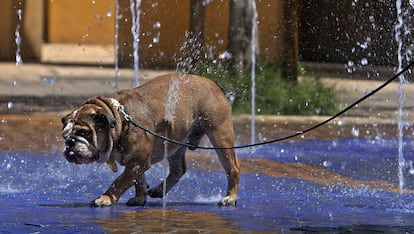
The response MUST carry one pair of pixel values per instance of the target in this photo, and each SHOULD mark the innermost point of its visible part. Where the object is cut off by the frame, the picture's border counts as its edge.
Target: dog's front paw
(228, 201)
(103, 200)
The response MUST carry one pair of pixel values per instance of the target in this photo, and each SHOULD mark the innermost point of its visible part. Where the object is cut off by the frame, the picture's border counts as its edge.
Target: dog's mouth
(78, 151)
(76, 157)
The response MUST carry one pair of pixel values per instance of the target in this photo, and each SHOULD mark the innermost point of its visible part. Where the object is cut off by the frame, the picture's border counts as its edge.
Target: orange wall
(216, 25)
(7, 27)
(173, 17)
(80, 21)
(87, 22)
(271, 32)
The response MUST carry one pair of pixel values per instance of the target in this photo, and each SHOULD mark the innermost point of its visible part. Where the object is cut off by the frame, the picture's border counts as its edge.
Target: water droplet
(350, 66)
(9, 105)
(327, 164)
(355, 132)
(411, 170)
(354, 3)
(85, 37)
(49, 80)
(156, 39)
(109, 13)
(225, 55)
(19, 13)
(364, 61)
(19, 60)
(18, 39)
(156, 25)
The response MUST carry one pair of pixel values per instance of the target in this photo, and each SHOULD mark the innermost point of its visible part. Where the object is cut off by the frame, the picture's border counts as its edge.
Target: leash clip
(120, 108)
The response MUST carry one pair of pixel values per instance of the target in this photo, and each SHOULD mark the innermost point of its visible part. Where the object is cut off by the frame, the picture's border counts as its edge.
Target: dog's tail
(229, 94)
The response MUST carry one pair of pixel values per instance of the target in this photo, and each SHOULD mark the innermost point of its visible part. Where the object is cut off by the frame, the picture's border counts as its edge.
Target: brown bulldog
(181, 107)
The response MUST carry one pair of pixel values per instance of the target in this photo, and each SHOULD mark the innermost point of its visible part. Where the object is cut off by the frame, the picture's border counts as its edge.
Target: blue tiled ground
(44, 193)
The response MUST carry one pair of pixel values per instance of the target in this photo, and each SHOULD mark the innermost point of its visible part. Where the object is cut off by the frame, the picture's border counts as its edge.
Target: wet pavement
(338, 183)
(289, 187)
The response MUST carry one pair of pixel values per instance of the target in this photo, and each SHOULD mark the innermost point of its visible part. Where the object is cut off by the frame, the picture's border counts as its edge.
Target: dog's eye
(83, 132)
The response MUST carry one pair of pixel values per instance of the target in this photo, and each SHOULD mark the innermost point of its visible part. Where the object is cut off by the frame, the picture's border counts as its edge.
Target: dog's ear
(101, 117)
(67, 126)
(65, 118)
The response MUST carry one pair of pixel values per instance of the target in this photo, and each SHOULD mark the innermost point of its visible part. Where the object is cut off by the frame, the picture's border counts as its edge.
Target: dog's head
(87, 134)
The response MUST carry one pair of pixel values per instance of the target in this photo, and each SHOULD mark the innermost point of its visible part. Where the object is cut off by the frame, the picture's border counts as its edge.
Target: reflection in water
(166, 221)
(315, 174)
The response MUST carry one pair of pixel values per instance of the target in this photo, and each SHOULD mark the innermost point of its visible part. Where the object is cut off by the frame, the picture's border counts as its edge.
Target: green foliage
(274, 94)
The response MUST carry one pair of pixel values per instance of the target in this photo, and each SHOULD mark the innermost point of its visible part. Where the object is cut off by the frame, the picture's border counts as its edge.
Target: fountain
(18, 57)
(135, 13)
(402, 33)
(340, 177)
(253, 71)
(171, 102)
(18, 39)
(116, 43)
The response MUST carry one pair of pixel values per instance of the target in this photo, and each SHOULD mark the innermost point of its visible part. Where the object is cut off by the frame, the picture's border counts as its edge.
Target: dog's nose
(70, 143)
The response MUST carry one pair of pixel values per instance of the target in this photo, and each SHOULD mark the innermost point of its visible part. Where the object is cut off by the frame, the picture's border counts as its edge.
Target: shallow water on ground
(310, 185)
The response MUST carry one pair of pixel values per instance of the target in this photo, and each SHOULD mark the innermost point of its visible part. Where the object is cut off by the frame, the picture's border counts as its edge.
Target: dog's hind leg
(223, 136)
(177, 170)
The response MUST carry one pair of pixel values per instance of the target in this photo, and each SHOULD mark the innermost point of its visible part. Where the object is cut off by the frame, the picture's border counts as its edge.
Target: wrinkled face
(87, 135)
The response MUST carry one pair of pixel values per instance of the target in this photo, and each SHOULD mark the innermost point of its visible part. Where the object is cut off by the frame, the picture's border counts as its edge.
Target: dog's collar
(115, 103)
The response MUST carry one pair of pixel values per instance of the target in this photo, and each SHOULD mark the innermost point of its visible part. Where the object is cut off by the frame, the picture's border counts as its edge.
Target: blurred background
(297, 44)
(83, 31)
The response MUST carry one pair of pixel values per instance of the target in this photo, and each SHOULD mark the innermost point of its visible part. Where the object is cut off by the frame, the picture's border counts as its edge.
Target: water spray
(253, 71)
(18, 38)
(116, 39)
(135, 13)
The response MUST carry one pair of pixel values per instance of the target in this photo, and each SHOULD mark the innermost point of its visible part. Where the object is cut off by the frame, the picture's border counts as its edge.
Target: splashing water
(116, 39)
(172, 99)
(135, 13)
(173, 96)
(253, 74)
(402, 31)
(18, 38)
